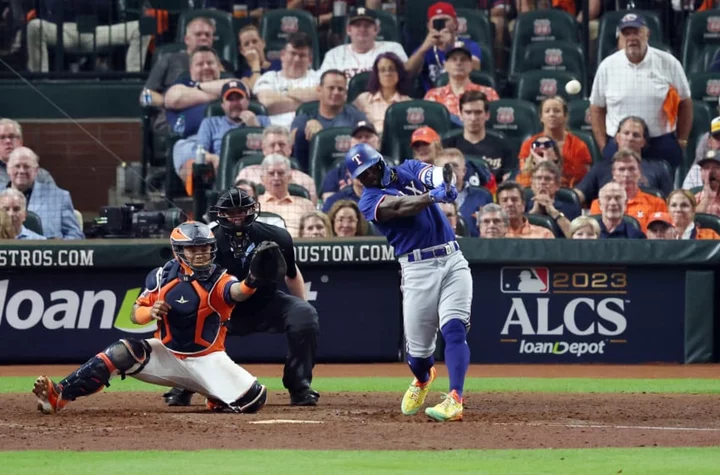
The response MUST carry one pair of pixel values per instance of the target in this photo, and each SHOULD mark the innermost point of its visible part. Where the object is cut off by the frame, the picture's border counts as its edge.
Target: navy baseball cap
(364, 125)
(234, 86)
(458, 46)
(361, 13)
(631, 20)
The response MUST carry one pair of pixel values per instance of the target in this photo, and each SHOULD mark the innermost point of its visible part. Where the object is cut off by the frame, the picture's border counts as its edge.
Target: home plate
(284, 421)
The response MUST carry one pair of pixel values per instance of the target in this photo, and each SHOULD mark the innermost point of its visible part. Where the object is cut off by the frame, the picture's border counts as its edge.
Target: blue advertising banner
(577, 315)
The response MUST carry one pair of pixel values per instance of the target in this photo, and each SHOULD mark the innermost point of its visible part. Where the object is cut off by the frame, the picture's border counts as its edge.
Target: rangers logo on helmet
(553, 56)
(542, 27)
(342, 143)
(289, 24)
(415, 115)
(712, 88)
(253, 141)
(505, 115)
(713, 24)
(548, 87)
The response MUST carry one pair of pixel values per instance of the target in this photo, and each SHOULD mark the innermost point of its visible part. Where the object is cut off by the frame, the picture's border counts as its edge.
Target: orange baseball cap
(424, 134)
(662, 217)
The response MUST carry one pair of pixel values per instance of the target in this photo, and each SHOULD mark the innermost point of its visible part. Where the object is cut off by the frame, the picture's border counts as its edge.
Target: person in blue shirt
(429, 58)
(613, 204)
(13, 212)
(436, 282)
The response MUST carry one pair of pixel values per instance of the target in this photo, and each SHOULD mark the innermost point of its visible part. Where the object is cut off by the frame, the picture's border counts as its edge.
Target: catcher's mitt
(267, 264)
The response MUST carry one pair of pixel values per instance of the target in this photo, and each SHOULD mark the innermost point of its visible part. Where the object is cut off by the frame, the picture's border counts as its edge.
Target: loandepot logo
(67, 309)
(562, 347)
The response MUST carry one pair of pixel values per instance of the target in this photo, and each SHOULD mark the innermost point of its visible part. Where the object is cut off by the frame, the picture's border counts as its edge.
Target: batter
(436, 280)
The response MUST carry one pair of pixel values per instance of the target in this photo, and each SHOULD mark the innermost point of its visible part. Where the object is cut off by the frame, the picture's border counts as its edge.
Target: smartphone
(438, 24)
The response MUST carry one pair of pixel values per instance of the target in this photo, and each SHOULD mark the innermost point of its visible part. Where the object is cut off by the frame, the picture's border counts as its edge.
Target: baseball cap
(364, 125)
(712, 156)
(233, 86)
(631, 20)
(361, 13)
(715, 126)
(458, 46)
(424, 134)
(662, 217)
(441, 8)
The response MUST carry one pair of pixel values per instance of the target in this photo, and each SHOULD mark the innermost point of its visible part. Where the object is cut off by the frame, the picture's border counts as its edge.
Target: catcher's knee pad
(252, 400)
(303, 317)
(128, 356)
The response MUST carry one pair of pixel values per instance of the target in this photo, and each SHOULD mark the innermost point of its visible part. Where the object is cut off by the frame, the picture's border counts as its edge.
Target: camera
(131, 221)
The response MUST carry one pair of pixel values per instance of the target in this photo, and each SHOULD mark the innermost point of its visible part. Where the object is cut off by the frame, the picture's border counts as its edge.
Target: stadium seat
(214, 108)
(33, 222)
(277, 25)
(568, 195)
(358, 84)
(705, 87)
(708, 221)
(540, 25)
(461, 229)
(579, 115)
(607, 32)
(555, 56)
(403, 118)
(225, 40)
(589, 139)
(256, 159)
(545, 222)
(236, 144)
(702, 115)
(627, 219)
(481, 78)
(293, 190)
(327, 148)
(535, 86)
(654, 191)
(475, 25)
(167, 48)
(307, 108)
(515, 118)
(416, 19)
(702, 30)
(271, 218)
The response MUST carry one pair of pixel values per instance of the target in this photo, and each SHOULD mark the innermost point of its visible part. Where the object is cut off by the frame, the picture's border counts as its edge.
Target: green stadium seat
(308, 108)
(327, 148)
(167, 48)
(515, 118)
(607, 32)
(654, 191)
(568, 195)
(535, 86)
(708, 221)
(589, 139)
(579, 115)
(627, 219)
(705, 87)
(540, 25)
(481, 78)
(475, 25)
(702, 30)
(555, 56)
(33, 222)
(236, 144)
(545, 222)
(214, 109)
(225, 40)
(358, 85)
(702, 116)
(402, 119)
(277, 25)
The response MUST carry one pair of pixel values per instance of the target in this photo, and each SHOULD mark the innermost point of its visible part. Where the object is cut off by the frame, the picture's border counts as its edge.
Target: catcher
(240, 237)
(192, 299)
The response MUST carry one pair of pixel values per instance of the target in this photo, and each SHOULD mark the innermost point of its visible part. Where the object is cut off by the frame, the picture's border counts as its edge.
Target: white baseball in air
(573, 87)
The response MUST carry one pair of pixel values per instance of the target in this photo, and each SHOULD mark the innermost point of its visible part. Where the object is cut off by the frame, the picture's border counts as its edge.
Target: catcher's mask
(194, 235)
(236, 210)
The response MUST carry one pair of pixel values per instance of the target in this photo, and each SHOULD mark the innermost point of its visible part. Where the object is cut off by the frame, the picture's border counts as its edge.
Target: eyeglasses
(546, 144)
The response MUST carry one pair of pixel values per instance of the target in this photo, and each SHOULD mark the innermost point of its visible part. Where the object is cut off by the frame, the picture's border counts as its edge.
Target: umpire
(268, 310)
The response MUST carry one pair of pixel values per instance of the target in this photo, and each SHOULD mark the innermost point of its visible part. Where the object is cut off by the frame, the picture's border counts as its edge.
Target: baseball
(573, 87)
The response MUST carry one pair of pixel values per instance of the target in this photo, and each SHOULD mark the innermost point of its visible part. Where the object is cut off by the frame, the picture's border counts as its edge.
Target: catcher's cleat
(451, 409)
(216, 405)
(306, 397)
(50, 400)
(178, 397)
(414, 397)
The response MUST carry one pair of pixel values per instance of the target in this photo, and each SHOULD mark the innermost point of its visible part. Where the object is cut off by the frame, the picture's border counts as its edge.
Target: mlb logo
(548, 87)
(415, 115)
(342, 143)
(553, 56)
(713, 87)
(713, 24)
(289, 24)
(253, 141)
(505, 115)
(462, 25)
(542, 27)
(524, 280)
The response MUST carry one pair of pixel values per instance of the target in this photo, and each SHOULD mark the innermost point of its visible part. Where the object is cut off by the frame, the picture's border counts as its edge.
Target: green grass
(13, 384)
(695, 461)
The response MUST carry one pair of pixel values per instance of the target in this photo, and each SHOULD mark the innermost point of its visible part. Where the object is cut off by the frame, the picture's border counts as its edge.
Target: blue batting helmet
(361, 157)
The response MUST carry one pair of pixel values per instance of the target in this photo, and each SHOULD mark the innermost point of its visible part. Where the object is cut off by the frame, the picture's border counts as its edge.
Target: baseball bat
(447, 176)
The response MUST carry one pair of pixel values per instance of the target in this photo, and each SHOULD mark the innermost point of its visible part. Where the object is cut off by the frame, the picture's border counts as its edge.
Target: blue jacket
(475, 199)
(55, 209)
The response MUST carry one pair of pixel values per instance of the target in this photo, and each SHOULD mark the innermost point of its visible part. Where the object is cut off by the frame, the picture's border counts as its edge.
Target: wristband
(256, 71)
(246, 289)
(143, 315)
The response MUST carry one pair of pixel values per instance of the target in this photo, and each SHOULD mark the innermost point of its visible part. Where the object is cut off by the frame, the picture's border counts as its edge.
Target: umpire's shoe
(178, 397)
(306, 397)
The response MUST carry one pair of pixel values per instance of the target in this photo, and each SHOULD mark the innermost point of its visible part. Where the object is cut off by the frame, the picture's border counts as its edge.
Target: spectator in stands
(584, 227)
(186, 100)
(450, 210)
(42, 32)
(52, 204)
(511, 198)
(543, 149)
(11, 138)
(682, 207)
(13, 205)
(331, 112)
(707, 199)
(282, 92)
(7, 231)
(276, 140)
(493, 222)
(475, 141)
(626, 172)
(388, 84)
(644, 81)
(576, 155)
(322, 10)
(470, 198)
(613, 204)
(315, 224)
(253, 62)
(425, 144)
(707, 146)
(633, 135)
(429, 58)
(360, 54)
(235, 99)
(277, 197)
(351, 192)
(171, 66)
(545, 185)
(347, 220)
(660, 226)
(458, 65)
(248, 187)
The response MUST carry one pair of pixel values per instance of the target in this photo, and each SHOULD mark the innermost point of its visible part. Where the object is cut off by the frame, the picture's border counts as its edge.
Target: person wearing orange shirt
(626, 172)
(575, 153)
(682, 207)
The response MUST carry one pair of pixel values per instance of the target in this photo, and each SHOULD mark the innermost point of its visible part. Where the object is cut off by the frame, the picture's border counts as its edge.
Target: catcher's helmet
(191, 234)
(236, 210)
(361, 157)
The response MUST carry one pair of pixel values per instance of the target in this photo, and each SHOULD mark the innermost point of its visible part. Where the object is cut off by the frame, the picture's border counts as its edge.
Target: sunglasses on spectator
(546, 144)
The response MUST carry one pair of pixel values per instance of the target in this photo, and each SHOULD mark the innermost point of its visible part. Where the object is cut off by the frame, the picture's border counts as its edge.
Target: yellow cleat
(451, 409)
(415, 396)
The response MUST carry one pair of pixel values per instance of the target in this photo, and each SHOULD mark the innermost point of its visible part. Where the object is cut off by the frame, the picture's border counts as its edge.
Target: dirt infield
(112, 421)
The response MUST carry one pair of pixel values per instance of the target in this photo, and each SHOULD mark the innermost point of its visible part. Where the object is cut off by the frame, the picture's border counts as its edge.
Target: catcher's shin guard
(124, 357)
(302, 346)
(252, 401)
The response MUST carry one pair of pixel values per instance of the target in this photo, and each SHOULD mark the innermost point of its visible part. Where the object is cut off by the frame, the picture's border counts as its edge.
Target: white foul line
(601, 426)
